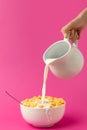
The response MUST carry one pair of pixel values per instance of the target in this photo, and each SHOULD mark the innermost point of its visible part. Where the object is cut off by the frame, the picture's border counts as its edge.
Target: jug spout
(49, 61)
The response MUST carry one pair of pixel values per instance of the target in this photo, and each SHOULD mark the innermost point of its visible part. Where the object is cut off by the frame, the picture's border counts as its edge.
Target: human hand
(74, 28)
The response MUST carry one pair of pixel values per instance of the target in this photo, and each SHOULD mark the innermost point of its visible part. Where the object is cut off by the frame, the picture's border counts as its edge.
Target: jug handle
(75, 44)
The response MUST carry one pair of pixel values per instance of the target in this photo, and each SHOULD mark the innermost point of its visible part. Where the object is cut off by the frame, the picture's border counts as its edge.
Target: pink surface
(27, 28)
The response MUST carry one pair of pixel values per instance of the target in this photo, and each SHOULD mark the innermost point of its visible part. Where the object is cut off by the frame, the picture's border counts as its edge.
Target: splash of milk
(48, 61)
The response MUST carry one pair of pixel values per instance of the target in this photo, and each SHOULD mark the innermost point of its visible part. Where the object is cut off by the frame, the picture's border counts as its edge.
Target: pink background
(27, 28)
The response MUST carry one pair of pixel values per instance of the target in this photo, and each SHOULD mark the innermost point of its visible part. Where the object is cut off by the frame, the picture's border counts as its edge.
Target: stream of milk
(46, 69)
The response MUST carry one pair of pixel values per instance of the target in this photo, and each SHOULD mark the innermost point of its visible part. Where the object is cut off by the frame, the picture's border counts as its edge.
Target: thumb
(65, 30)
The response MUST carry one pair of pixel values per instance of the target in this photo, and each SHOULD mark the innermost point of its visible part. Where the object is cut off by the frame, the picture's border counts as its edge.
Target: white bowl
(42, 117)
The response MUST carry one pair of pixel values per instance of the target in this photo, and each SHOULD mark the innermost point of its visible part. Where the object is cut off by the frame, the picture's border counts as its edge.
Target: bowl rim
(34, 108)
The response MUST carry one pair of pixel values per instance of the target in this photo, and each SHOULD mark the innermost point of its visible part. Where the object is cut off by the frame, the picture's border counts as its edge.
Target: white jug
(65, 59)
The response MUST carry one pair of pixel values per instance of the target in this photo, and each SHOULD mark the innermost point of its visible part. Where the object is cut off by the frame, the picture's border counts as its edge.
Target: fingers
(71, 30)
(79, 33)
(74, 36)
(71, 34)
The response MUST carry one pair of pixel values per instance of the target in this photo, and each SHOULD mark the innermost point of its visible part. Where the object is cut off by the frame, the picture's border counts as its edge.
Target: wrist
(83, 17)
